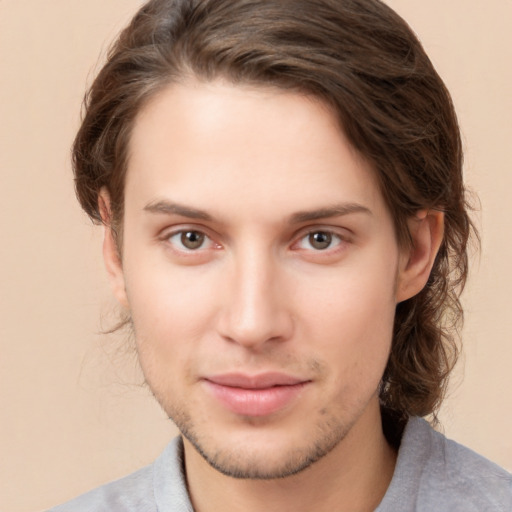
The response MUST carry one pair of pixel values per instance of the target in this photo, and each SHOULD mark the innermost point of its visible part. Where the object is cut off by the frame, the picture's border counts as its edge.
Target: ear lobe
(111, 255)
(427, 230)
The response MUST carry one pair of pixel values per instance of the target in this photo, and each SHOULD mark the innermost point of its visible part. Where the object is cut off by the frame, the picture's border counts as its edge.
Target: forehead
(261, 150)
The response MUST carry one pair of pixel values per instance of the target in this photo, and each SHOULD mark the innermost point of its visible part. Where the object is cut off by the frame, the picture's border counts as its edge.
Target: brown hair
(364, 61)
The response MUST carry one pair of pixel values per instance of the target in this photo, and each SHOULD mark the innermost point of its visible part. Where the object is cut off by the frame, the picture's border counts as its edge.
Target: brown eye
(192, 239)
(320, 240)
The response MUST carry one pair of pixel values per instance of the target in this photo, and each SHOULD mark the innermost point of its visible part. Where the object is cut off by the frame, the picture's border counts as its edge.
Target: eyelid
(343, 236)
(334, 242)
(205, 241)
(341, 232)
(167, 233)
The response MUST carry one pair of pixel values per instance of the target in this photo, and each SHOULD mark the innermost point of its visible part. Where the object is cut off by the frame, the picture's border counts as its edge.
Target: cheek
(357, 297)
(358, 349)
(353, 320)
(170, 309)
(159, 291)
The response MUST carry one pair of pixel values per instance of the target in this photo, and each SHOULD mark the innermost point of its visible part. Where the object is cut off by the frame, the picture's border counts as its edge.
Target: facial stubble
(330, 430)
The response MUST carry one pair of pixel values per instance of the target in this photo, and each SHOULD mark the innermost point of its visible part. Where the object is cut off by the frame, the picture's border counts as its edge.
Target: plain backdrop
(72, 414)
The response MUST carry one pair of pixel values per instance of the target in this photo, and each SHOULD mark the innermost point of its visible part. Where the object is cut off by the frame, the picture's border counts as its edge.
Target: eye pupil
(320, 240)
(192, 239)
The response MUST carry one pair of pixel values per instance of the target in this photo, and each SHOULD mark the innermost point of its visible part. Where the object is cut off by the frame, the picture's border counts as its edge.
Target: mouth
(255, 395)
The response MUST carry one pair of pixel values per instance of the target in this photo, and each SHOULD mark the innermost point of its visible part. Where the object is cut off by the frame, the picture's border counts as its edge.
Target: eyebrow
(170, 208)
(325, 213)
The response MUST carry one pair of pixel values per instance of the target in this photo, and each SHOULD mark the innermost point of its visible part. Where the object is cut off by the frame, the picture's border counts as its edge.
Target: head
(359, 63)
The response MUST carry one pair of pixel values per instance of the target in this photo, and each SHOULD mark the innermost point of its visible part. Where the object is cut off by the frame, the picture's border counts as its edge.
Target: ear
(426, 229)
(111, 254)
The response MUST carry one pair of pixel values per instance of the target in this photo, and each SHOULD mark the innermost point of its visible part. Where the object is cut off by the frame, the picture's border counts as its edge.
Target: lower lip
(255, 402)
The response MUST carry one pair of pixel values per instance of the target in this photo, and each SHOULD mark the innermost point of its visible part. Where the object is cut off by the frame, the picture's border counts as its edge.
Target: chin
(265, 457)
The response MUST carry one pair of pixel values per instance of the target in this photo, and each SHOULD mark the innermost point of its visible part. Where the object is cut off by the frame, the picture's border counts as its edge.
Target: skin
(292, 266)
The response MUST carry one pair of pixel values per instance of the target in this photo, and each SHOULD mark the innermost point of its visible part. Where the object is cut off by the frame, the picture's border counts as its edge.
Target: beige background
(71, 417)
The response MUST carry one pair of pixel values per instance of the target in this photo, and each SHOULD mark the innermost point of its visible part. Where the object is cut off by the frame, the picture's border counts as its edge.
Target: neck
(354, 476)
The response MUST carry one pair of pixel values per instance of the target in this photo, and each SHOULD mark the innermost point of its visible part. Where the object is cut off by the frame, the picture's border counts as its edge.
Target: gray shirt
(432, 474)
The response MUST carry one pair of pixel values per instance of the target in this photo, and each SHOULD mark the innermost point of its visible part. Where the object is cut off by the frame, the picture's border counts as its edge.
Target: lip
(255, 395)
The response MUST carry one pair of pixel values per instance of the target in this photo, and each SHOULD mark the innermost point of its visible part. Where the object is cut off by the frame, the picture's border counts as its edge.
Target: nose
(256, 310)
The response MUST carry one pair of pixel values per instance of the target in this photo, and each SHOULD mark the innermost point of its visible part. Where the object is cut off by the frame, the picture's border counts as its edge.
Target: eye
(190, 240)
(319, 240)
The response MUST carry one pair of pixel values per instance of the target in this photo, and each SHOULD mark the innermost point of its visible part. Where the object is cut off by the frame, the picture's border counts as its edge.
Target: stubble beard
(243, 465)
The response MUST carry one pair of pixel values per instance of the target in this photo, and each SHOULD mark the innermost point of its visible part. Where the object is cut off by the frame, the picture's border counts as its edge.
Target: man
(285, 227)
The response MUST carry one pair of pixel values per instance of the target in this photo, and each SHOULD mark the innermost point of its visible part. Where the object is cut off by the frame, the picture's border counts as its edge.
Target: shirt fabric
(432, 474)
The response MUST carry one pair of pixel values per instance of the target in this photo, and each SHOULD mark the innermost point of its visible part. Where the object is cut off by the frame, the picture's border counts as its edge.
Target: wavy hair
(366, 64)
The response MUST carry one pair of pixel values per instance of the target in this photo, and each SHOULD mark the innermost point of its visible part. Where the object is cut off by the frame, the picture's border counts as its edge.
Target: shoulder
(131, 493)
(149, 489)
(127, 494)
(442, 475)
(461, 474)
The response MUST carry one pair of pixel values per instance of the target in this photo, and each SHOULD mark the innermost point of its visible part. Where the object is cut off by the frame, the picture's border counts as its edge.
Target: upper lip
(259, 381)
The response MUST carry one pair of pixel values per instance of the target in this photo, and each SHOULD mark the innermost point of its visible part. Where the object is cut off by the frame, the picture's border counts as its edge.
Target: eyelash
(332, 238)
(183, 232)
(335, 241)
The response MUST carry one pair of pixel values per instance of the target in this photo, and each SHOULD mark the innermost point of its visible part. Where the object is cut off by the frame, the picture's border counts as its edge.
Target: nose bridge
(257, 307)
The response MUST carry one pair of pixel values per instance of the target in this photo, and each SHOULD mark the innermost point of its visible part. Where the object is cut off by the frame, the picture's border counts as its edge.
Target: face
(260, 268)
